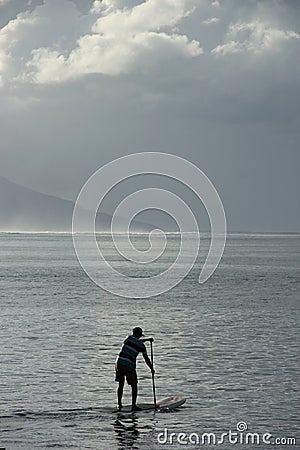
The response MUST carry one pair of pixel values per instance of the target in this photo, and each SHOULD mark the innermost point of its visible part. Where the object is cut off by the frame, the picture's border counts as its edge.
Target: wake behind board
(168, 403)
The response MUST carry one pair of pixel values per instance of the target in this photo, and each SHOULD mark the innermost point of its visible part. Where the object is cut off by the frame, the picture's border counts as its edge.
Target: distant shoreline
(108, 233)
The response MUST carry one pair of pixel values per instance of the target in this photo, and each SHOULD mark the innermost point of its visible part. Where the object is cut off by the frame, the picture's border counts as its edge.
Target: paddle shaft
(153, 382)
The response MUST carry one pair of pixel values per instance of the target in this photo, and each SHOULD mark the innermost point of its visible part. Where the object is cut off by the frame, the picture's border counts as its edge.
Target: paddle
(153, 383)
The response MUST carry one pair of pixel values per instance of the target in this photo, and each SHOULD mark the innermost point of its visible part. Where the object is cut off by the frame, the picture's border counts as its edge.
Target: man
(126, 364)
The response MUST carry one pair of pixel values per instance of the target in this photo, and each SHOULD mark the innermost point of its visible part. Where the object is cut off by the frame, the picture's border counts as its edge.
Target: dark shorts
(123, 372)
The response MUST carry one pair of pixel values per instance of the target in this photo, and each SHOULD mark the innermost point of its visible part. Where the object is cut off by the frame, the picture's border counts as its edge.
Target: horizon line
(125, 233)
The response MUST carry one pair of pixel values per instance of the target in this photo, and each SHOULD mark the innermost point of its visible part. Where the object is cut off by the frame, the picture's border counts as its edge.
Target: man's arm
(147, 339)
(148, 362)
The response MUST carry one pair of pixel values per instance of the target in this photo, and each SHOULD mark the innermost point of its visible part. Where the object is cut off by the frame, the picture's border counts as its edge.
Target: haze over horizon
(215, 82)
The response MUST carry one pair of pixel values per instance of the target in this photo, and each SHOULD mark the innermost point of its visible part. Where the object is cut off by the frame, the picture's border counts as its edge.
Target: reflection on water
(127, 433)
(131, 430)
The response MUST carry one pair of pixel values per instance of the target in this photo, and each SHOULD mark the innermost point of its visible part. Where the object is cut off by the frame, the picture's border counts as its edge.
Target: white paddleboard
(171, 402)
(168, 403)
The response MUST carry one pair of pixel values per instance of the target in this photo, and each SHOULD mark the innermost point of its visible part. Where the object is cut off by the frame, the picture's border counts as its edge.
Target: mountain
(23, 209)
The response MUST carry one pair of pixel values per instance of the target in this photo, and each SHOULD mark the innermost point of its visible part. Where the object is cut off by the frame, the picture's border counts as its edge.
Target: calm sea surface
(230, 346)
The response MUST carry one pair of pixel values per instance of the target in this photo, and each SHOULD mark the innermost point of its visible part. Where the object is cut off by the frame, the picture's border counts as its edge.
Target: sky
(216, 82)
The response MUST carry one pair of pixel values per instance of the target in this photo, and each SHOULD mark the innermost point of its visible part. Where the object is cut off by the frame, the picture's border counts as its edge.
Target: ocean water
(230, 346)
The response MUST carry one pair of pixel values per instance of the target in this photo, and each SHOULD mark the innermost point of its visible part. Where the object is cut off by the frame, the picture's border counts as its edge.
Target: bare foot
(136, 408)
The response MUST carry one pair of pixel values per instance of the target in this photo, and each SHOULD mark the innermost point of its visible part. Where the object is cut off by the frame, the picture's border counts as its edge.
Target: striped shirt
(132, 346)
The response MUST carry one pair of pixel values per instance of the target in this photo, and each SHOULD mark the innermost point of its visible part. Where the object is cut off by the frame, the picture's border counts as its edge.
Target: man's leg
(120, 393)
(134, 388)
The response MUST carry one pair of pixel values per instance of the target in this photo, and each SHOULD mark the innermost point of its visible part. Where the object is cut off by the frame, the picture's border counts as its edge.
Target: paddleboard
(168, 403)
(171, 402)
(165, 404)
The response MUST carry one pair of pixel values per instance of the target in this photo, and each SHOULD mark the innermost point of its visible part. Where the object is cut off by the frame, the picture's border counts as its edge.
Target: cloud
(109, 55)
(111, 39)
(211, 21)
(122, 40)
(36, 28)
(149, 15)
(253, 37)
(8, 41)
(116, 37)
